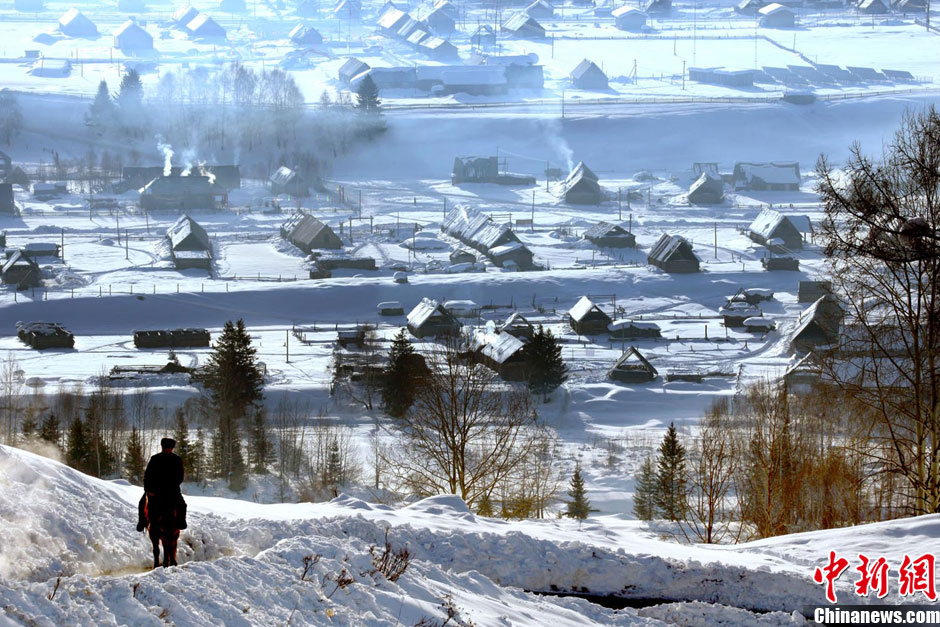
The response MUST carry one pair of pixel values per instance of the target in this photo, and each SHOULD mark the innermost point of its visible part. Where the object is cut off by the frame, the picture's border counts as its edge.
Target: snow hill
(241, 563)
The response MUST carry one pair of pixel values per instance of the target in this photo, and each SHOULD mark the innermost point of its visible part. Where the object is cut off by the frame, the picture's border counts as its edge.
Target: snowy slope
(241, 563)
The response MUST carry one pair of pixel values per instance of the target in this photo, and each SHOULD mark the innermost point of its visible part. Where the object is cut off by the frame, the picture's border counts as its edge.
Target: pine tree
(101, 112)
(671, 477)
(367, 97)
(261, 448)
(134, 462)
(238, 476)
(49, 431)
(546, 368)
(644, 496)
(334, 467)
(130, 102)
(235, 381)
(183, 445)
(578, 507)
(77, 453)
(402, 375)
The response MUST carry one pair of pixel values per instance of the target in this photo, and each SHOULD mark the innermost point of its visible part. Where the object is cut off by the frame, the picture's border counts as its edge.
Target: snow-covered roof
(758, 322)
(204, 26)
(580, 70)
(632, 324)
(580, 171)
(582, 308)
(393, 18)
(515, 321)
(496, 346)
(498, 251)
(775, 172)
(389, 304)
(465, 305)
(626, 10)
(18, 258)
(813, 313)
(183, 228)
(522, 21)
(42, 328)
(739, 309)
(185, 14)
(74, 16)
(634, 360)
(424, 310)
(476, 228)
(606, 229)
(772, 9)
(767, 222)
(668, 245)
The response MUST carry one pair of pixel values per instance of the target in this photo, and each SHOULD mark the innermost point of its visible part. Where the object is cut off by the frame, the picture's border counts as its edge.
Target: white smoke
(167, 151)
(189, 159)
(554, 136)
(206, 172)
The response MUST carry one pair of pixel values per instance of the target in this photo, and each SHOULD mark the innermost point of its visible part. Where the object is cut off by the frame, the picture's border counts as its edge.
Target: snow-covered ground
(242, 563)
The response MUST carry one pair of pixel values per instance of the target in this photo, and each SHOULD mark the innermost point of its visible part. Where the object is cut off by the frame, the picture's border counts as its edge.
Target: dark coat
(164, 474)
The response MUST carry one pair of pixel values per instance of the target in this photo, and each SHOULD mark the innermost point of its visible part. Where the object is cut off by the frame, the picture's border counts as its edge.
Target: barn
(309, 234)
(581, 186)
(673, 253)
(290, 182)
(773, 225)
(706, 190)
(523, 26)
(182, 192)
(190, 246)
(303, 35)
(633, 367)
(776, 16)
(131, 37)
(204, 27)
(608, 235)
(586, 318)
(774, 176)
(629, 18)
(74, 24)
(502, 353)
(430, 319)
(20, 270)
(587, 75)
(818, 326)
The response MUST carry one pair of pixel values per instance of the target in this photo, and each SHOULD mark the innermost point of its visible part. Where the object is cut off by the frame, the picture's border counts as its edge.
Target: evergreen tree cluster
(661, 489)
(546, 368)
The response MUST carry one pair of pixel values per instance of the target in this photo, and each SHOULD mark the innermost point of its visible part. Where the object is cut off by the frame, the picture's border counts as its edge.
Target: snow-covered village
(469, 312)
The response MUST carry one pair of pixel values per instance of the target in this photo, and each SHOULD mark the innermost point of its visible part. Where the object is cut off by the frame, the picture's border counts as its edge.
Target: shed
(818, 326)
(288, 181)
(483, 37)
(659, 7)
(440, 20)
(780, 263)
(430, 319)
(390, 308)
(773, 176)
(303, 35)
(673, 253)
(587, 75)
(7, 205)
(40, 335)
(475, 170)
(350, 69)
(633, 330)
(581, 186)
(776, 16)
(872, 7)
(633, 367)
(74, 24)
(517, 325)
(187, 234)
(20, 270)
(512, 255)
(706, 190)
(502, 353)
(523, 26)
(540, 9)
(308, 234)
(131, 37)
(172, 338)
(773, 225)
(629, 18)
(184, 15)
(204, 27)
(586, 318)
(462, 308)
(608, 235)
(462, 255)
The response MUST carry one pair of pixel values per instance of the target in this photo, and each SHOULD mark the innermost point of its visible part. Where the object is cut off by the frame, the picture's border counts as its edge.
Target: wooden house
(21, 270)
(502, 353)
(308, 234)
(629, 18)
(633, 367)
(818, 326)
(587, 75)
(288, 181)
(673, 253)
(773, 229)
(706, 190)
(581, 186)
(190, 246)
(430, 319)
(586, 318)
(40, 335)
(518, 326)
(608, 235)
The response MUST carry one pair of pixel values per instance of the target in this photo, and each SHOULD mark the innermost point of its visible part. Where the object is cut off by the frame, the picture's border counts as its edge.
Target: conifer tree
(578, 507)
(235, 381)
(644, 496)
(49, 431)
(101, 112)
(77, 446)
(134, 463)
(238, 475)
(402, 375)
(671, 477)
(261, 448)
(546, 368)
(130, 102)
(370, 107)
(184, 447)
(334, 467)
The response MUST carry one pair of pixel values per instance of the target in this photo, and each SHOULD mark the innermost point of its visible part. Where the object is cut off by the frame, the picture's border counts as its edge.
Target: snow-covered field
(70, 556)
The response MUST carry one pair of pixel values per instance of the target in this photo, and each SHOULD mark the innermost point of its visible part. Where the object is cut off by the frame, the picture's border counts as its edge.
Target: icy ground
(242, 563)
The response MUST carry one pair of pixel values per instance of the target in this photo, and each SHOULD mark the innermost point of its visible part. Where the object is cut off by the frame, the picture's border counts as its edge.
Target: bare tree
(882, 240)
(11, 386)
(465, 433)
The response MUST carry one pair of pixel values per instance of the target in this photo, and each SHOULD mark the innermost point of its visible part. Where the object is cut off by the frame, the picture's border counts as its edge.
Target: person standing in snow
(162, 479)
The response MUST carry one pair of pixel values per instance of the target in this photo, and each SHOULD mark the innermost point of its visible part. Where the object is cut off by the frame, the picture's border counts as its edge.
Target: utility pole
(127, 250)
(619, 205)
(287, 345)
(62, 246)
